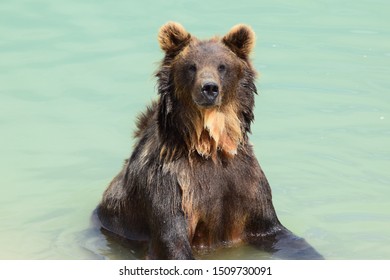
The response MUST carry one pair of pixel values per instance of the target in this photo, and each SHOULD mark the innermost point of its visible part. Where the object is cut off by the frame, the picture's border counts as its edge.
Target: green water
(74, 75)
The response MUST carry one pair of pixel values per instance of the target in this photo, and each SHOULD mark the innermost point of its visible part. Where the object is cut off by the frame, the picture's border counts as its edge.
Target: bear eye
(221, 68)
(192, 68)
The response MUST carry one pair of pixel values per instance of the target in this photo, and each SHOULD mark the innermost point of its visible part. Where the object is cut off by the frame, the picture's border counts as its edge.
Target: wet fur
(192, 181)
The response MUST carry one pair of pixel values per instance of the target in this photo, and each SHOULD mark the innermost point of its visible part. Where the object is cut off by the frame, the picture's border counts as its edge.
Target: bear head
(214, 81)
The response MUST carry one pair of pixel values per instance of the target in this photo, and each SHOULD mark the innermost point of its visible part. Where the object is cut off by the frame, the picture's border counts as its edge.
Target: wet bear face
(206, 73)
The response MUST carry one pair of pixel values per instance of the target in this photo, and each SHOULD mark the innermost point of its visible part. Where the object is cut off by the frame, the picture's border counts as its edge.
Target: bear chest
(217, 214)
(220, 222)
(217, 200)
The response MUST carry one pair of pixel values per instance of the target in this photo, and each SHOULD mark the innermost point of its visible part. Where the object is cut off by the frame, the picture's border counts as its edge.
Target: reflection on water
(75, 74)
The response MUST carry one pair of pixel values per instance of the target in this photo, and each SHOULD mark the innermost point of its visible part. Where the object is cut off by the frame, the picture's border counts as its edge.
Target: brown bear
(193, 181)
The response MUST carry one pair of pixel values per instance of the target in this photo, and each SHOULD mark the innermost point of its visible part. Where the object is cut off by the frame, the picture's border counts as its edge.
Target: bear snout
(208, 94)
(210, 91)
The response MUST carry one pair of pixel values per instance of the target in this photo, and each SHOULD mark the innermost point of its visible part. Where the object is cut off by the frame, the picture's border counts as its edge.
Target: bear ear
(173, 37)
(240, 39)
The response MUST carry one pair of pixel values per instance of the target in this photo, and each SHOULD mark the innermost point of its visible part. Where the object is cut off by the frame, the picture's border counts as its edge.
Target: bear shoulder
(144, 119)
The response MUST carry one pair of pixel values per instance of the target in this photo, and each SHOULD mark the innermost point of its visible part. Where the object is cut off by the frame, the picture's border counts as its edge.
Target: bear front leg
(283, 244)
(266, 233)
(166, 220)
(169, 238)
(264, 230)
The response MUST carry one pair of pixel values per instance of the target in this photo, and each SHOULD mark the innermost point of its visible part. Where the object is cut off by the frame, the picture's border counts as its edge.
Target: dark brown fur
(192, 180)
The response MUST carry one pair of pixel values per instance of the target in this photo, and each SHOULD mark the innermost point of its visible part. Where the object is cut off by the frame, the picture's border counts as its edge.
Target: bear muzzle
(210, 91)
(208, 94)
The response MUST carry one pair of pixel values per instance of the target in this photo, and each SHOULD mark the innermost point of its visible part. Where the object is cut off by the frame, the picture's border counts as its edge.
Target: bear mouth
(204, 101)
(206, 104)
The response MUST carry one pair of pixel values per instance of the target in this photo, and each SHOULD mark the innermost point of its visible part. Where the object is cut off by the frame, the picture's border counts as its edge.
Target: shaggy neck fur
(206, 132)
(185, 129)
(217, 129)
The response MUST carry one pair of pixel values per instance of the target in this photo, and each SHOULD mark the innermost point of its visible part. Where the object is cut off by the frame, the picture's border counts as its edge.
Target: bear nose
(210, 91)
